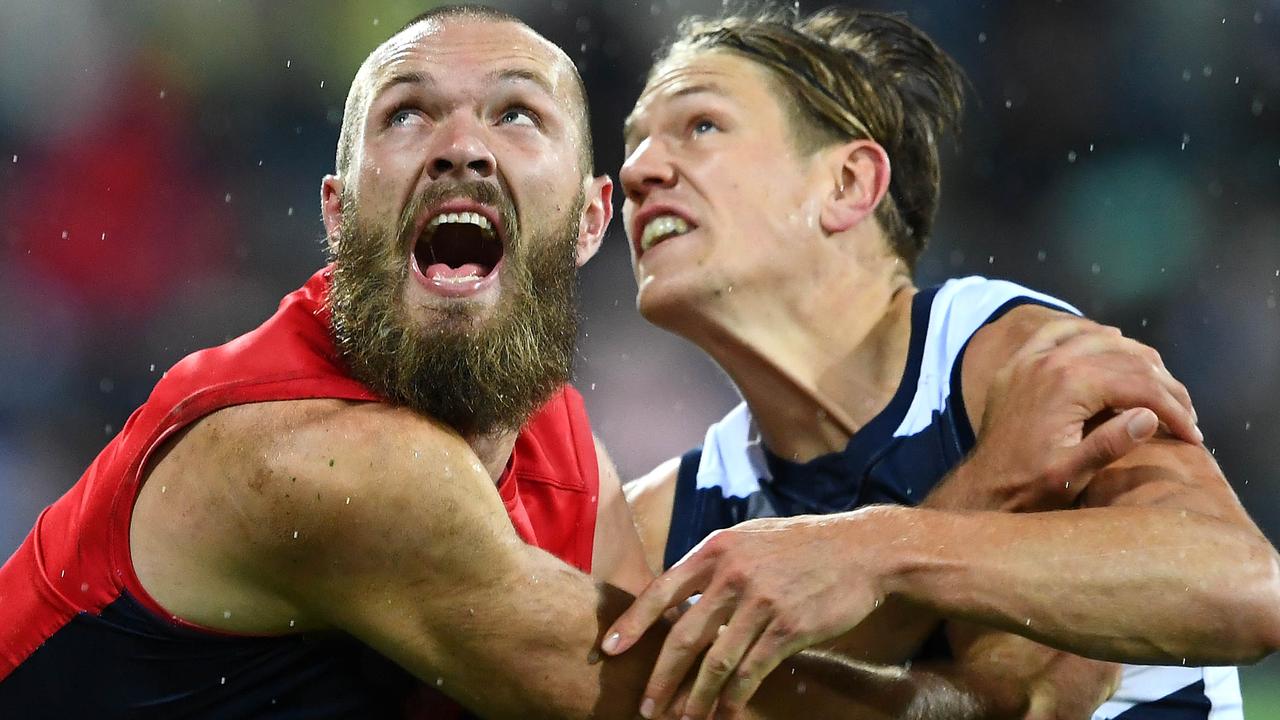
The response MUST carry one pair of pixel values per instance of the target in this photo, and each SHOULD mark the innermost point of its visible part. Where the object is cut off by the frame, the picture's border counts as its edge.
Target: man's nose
(647, 168)
(460, 151)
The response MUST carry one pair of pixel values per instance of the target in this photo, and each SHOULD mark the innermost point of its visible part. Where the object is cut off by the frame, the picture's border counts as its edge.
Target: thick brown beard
(480, 378)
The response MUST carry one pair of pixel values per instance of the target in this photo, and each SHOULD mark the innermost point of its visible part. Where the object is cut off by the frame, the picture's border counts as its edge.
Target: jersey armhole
(683, 533)
(966, 437)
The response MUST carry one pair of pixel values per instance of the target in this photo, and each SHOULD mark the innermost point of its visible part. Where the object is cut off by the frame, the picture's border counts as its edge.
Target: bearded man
(386, 494)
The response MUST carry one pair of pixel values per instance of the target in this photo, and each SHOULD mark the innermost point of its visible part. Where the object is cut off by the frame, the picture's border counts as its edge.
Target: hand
(769, 589)
(1075, 398)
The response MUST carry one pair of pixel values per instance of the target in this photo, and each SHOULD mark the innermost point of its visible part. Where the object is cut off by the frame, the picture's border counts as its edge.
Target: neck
(494, 451)
(816, 367)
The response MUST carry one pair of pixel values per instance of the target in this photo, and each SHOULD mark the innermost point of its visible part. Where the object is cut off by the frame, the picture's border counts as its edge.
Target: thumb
(1111, 441)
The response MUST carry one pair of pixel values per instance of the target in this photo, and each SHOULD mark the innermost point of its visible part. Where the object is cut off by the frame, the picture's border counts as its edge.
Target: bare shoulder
(255, 494)
(652, 499)
(994, 344)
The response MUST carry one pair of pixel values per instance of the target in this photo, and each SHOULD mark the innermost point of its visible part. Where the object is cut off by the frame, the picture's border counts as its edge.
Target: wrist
(890, 535)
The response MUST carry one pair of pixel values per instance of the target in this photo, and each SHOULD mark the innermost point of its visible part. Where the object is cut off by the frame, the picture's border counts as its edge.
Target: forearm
(1133, 584)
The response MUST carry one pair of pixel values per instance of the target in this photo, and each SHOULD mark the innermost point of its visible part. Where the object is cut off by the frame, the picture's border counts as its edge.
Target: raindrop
(1028, 622)
(259, 163)
(1247, 425)
(1040, 256)
(348, 500)
(107, 429)
(104, 236)
(1184, 661)
(1144, 322)
(65, 234)
(982, 37)
(654, 10)
(1186, 138)
(376, 21)
(991, 259)
(321, 83)
(593, 386)
(801, 688)
(226, 614)
(106, 385)
(1237, 80)
(288, 63)
(224, 680)
(162, 94)
(1186, 76)
(1224, 21)
(1257, 17)
(164, 488)
(295, 534)
(152, 368)
(62, 574)
(1257, 106)
(84, 587)
(583, 24)
(1090, 147)
(290, 212)
(1008, 103)
(15, 158)
(226, 198)
(1095, 269)
(439, 681)
(292, 622)
(1207, 70)
(1071, 156)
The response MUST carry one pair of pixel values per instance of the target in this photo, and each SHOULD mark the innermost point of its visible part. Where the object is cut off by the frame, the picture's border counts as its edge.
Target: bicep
(618, 558)
(404, 543)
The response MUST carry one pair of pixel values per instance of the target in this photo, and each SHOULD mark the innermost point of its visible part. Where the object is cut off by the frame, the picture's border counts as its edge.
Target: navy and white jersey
(898, 457)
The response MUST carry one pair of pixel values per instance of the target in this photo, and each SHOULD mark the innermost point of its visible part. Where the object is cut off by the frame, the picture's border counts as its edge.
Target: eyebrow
(523, 75)
(401, 78)
(629, 125)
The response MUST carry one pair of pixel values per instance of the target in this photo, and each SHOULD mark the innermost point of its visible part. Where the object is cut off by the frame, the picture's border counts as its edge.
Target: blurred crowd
(160, 166)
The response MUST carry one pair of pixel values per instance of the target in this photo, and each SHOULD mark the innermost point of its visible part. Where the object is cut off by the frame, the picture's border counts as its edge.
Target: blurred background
(159, 182)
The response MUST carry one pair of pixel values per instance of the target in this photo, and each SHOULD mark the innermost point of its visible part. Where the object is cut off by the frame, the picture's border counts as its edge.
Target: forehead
(464, 49)
(691, 73)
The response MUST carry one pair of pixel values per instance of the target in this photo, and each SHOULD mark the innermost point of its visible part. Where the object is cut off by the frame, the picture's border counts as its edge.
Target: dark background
(159, 182)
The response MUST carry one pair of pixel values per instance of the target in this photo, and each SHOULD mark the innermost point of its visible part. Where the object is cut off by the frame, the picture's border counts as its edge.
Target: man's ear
(331, 208)
(860, 170)
(596, 214)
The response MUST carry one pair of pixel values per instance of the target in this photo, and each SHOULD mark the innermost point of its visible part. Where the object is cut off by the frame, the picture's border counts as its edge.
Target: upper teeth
(470, 218)
(660, 228)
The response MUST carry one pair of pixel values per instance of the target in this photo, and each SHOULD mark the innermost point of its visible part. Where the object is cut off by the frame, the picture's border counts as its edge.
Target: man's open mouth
(457, 249)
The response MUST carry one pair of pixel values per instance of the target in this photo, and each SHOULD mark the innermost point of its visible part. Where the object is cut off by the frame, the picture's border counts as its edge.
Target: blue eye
(402, 117)
(518, 116)
(704, 126)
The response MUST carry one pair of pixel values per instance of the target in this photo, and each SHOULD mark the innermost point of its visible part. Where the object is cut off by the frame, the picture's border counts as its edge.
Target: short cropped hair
(853, 74)
(357, 97)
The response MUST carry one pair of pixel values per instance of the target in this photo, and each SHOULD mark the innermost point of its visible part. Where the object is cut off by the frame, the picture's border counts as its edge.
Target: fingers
(699, 628)
(666, 591)
(720, 666)
(1109, 442)
(776, 643)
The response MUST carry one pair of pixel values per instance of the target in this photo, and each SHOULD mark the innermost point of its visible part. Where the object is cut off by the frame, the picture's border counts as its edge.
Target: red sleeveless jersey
(80, 637)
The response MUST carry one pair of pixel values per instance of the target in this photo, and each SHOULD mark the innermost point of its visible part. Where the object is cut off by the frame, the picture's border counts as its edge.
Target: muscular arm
(373, 521)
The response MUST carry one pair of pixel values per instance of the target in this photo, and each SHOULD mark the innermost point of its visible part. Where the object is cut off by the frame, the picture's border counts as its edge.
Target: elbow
(1254, 611)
